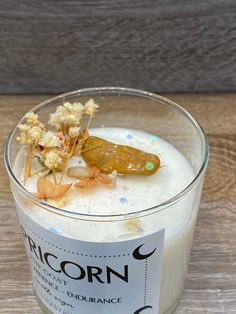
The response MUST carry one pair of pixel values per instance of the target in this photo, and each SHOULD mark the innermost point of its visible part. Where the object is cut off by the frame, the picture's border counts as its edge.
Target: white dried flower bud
(90, 107)
(67, 105)
(69, 119)
(74, 131)
(32, 118)
(49, 139)
(60, 110)
(54, 120)
(23, 138)
(78, 108)
(53, 160)
(23, 127)
(35, 133)
(68, 114)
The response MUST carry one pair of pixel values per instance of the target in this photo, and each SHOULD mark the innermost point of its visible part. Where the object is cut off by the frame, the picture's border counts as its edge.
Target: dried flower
(68, 115)
(88, 177)
(58, 202)
(23, 137)
(76, 108)
(133, 225)
(60, 136)
(74, 131)
(53, 160)
(24, 127)
(90, 107)
(35, 133)
(54, 120)
(48, 190)
(32, 118)
(49, 139)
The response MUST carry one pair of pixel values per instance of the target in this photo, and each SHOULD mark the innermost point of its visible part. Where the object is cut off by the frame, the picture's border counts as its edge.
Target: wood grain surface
(211, 281)
(165, 46)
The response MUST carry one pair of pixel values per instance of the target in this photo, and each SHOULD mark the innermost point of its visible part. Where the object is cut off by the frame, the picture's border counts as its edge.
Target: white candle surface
(132, 194)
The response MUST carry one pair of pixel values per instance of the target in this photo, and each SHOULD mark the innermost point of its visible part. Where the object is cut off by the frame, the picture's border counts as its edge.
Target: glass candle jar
(85, 262)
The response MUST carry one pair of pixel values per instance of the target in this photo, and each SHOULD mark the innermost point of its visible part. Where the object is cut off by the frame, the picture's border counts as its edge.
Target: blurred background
(158, 45)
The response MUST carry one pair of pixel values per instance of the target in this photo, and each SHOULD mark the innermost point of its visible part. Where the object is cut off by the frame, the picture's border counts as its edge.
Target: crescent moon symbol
(142, 309)
(139, 256)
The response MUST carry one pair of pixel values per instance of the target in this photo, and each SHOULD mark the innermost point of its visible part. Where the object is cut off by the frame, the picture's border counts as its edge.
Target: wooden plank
(211, 283)
(164, 46)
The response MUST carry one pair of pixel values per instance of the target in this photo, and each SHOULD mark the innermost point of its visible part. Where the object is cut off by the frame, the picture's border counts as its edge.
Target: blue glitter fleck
(123, 200)
(53, 230)
(153, 138)
(129, 136)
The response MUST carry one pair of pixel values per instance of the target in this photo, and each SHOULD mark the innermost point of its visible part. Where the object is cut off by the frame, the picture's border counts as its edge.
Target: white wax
(134, 193)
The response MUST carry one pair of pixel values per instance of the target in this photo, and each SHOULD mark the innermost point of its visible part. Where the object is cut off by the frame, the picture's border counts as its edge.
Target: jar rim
(121, 216)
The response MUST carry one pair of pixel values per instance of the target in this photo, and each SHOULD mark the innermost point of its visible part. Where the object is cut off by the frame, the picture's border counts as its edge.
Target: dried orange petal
(45, 187)
(85, 183)
(104, 179)
(60, 190)
(38, 195)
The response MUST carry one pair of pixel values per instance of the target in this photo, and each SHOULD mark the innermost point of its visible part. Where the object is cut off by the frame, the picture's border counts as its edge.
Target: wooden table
(211, 282)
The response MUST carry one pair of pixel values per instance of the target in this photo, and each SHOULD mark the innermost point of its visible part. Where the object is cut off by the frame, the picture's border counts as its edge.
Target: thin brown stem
(31, 155)
(54, 177)
(90, 148)
(25, 164)
(38, 171)
(89, 121)
(28, 162)
(63, 172)
(73, 147)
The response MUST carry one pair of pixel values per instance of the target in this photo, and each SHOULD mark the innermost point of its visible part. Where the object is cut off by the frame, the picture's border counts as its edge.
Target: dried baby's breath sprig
(32, 120)
(53, 160)
(30, 134)
(90, 108)
(74, 131)
(49, 139)
(66, 116)
(67, 120)
(55, 148)
(35, 133)
(23, 137)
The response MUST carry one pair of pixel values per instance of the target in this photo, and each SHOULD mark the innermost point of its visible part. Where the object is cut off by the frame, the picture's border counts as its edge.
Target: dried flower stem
(73, 147)
(63, 172)
(28, 164)
(38, 171)
(90, 148)
(31, 155)
(25, 164)
(89, 122)
(54, 176)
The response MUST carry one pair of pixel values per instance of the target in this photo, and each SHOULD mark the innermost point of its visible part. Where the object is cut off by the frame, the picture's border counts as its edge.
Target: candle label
(72, 276)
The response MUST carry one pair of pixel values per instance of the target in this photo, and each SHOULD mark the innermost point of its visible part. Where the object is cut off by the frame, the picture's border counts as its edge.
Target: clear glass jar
(134, 109)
